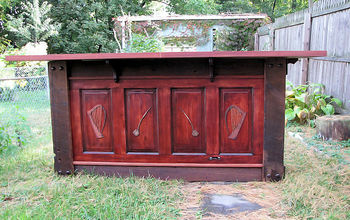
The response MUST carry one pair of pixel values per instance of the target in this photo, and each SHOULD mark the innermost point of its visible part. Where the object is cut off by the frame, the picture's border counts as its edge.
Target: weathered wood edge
(274, 104)
(185, 173)
(60, 117)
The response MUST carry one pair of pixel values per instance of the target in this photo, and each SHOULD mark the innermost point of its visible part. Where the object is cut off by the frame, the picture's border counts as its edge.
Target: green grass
(317, 184)
(29, 188)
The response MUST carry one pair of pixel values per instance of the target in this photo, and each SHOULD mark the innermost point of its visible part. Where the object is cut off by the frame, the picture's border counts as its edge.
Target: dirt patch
(264, 194)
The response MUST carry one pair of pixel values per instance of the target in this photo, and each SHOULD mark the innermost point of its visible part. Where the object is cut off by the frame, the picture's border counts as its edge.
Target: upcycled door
(168, 121)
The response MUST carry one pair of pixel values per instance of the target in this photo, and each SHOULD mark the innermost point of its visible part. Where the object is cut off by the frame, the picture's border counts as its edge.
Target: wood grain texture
(60, 114)
(96, 140)
(188, 120)
(235, 120)
(185, 173)
(275, 72)
(106, 56)
(141, 120)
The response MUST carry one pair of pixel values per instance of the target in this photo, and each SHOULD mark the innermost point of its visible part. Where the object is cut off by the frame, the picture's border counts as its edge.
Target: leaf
(321, 103)
(328, 109)
(337, 101)
(290, 114)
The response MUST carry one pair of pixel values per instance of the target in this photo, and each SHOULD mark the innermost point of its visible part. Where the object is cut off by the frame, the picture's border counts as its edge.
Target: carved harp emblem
(237, 117)
(98, 116)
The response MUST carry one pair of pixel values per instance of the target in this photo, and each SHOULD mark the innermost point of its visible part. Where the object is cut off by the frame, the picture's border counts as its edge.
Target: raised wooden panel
(141, 120)
(96, 120)
(235, 121)
(188, 121)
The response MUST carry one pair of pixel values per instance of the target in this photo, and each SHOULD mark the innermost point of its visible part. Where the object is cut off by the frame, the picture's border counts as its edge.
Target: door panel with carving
(235, 121)
(188, 121)
(96, 121)
(141, 120)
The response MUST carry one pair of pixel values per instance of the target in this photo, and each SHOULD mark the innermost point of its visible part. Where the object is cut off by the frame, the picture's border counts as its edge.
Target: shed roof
(191, 17)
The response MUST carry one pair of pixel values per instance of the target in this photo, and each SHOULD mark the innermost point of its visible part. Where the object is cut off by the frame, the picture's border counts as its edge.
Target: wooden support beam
(60, 114)
(275, 82)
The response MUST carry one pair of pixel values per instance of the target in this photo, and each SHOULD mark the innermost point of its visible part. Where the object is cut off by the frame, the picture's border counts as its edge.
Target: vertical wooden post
(272, 37)
(306, 46)
(60, 117)
(256, 41)
(274, 94)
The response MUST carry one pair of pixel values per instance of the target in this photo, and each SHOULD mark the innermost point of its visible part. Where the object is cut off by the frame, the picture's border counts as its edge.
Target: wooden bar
(197, 116)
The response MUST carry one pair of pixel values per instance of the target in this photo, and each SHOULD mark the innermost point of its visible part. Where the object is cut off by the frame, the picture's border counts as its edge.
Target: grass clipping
(315, 186)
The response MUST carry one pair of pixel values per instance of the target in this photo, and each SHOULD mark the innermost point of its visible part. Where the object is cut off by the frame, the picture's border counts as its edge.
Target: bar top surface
(170, 55)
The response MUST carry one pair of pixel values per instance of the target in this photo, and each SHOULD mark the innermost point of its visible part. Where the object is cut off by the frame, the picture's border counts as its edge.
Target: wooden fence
(324, 26)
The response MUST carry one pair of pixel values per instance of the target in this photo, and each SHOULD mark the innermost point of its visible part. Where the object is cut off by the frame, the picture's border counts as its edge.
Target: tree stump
(333, 127)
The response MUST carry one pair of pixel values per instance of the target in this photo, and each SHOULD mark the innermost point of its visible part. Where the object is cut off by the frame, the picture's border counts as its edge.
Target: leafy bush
(142, 43)
(305, 102)
(14, 130)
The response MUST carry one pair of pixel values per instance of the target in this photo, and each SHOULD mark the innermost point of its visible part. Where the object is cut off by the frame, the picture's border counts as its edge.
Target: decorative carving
(237, 119)
(136, 132)
(98, 116)
(195, 133)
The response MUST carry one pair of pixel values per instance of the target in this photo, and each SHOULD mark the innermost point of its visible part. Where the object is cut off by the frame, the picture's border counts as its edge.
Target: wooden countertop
(170, 55)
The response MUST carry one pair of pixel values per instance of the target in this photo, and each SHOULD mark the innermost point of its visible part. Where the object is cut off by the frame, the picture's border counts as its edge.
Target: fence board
(330, 31)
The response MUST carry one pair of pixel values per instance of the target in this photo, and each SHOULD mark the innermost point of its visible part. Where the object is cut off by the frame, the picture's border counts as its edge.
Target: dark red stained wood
(188, 121)
(235, 121)
(164, 101)
(60, 114)
(212, 120)
(141, 120)
(96, 120)
(206, 100)
(149, 110)
(130, 164)
(106, 56)
(185, 173)
(275, 76)
(119, 126)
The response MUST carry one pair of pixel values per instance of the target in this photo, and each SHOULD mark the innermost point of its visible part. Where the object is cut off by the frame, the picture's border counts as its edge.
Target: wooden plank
(60, 114)
(185, 173)
(214, 54)
(275, 73)
(131, 164)
(306, 46)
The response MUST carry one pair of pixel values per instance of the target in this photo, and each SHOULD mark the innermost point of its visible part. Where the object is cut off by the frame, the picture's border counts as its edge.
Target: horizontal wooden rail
(131, 164)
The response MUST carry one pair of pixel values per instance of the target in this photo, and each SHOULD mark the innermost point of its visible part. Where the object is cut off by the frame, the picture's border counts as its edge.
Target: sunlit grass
(29, 188)
(316, 186)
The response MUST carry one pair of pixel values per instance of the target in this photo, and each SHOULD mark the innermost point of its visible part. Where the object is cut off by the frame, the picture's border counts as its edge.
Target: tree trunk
(333, 127)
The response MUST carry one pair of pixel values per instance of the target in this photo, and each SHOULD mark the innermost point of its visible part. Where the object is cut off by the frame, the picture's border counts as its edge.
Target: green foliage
(33, 24)
(236, 6)
(305, 102)
(87, 25)
(14, 130)
(193, 7)
(141, 43)
(238, 36)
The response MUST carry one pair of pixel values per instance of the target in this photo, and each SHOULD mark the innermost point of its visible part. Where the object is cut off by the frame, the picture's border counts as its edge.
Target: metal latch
(214, 158)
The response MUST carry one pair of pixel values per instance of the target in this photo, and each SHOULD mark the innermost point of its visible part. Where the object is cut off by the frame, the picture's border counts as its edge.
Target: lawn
(316, 184)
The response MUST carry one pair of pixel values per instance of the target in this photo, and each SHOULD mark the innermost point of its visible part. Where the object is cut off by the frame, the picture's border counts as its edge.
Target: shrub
(14, 130)
(305, 102)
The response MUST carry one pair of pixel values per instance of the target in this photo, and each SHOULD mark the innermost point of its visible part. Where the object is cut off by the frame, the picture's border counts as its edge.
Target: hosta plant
(305, 102)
